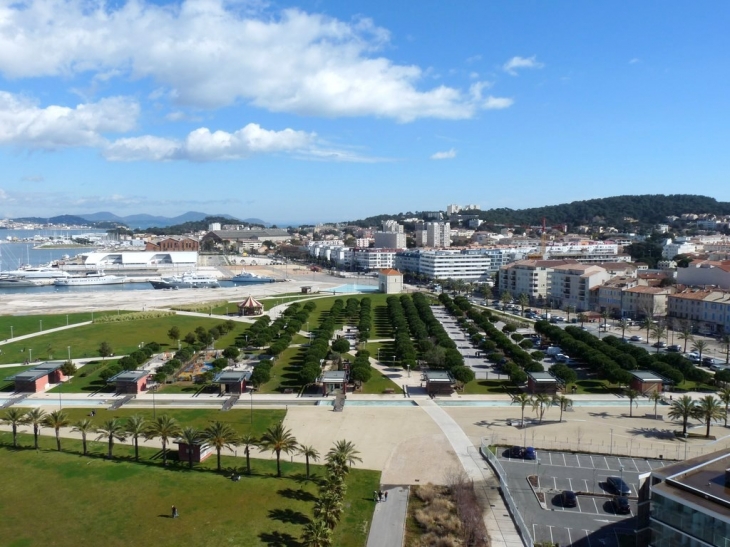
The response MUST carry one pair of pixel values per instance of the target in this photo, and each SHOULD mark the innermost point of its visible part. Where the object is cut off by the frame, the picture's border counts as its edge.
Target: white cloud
(203, 145)
(445, 155)
(33, 178)
(515, 63)
(24, 123)
(211, 53)
(634, 61)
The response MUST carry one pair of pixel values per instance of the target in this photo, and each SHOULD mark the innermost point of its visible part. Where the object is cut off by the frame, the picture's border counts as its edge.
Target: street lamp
(69, 353)
(11, 332)
(408, 368)
(41, 322)
(611, 452)
(67, 320)
(251, 393)
(621, 476)
(30, 354)
(154, 408)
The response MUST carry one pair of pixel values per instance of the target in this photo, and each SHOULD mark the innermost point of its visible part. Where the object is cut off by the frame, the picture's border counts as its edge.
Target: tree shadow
(653, 433)
(299, 495)
(289, 516)
(279, 539)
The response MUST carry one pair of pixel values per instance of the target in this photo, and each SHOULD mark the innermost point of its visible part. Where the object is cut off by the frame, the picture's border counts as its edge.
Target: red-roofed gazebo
(250, 306)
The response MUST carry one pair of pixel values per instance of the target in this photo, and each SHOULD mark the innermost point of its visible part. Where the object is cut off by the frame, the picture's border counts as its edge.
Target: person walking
(375, 496)
(386, 495)
(174, 512)
(380, 495)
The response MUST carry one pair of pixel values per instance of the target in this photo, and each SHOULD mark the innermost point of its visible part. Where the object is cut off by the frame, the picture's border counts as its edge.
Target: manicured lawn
(87, 380)
(124, 337)
(120, 502)
(10, 371)
(199, 418)
(271, 302)
(595, 386)
(31, 324)
(285, 372)
(378, 383)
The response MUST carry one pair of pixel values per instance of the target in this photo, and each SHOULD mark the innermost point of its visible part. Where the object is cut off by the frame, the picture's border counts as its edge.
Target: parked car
(515, 452)
(618, 485)
(694, 357)
(621, 505)
(530, 453)
(719, 368)
(708, 361)
(636, 338)
(659, 344)
(674, 347)
(568, 498)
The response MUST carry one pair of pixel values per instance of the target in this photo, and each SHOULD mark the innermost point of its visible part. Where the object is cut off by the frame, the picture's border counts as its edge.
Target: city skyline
(322, 111)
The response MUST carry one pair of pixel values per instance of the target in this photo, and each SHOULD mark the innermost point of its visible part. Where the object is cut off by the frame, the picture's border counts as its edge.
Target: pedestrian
(386, 495)
(174, 512)
(380, 495)
(375, 496)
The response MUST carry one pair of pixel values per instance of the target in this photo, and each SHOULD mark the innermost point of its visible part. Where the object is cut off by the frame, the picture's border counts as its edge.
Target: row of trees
(320, 346)
(708, 409)
(541, 403)
(365, 323)
(405, 351)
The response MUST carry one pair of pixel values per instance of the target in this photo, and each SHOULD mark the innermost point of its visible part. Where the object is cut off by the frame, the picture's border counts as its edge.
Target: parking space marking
(570, 482)
(570, 539)
(564, 462)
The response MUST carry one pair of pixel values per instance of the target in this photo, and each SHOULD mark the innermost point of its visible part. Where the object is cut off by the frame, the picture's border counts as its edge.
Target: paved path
(502, 530)
(43, 332)
(389, 519)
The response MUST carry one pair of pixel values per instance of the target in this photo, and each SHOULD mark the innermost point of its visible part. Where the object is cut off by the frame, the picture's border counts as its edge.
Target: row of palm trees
(541, 402)
(218, 435)
(708, 409)
(328, 508)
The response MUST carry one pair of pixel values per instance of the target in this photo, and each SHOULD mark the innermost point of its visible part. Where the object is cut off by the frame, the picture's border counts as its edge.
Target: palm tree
(568, 311)
(84, 427)
(623, 325)
(700, 346)
(682, 409)
(647, 324)
(659, 331)
(57, 419)
(165, 428)
(136, 426)
(582, 318)
(317, 534)
(248, 441)
(35, 417)
(605, 314)
(655, 397)
(308, 452)
(278, 439)
(220, 436)
(328, 508)
(564, 403)
(523, 399)
(190, 436)
(523, 300)
(725, 341)
(708, 409)
(112, 429)
(541, 403)
(14, 417)
(685, 333)
(632, 394)
(506, 297)
(343, 455)
(724, 395)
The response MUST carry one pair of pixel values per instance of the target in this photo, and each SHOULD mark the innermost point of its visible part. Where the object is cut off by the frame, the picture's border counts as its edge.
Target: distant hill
(144, 221)
(71, 220)
(647, 209)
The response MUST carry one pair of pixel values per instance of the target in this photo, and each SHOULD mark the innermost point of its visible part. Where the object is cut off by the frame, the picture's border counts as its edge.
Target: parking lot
(594, 521)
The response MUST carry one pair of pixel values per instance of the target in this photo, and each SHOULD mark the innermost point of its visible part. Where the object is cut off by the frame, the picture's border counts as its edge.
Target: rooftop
(334, 376)
(232, 377)
(129, 376)
(699, 480)
(646, 376)
(438, 376)
(38, 371)
(542, 377)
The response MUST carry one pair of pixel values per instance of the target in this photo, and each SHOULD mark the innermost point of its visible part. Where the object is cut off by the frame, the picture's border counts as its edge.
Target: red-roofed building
(250, 306)
(390, 281)
(705, 272)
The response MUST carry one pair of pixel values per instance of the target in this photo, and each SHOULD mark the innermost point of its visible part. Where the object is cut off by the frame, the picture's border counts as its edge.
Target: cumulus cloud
(203, 145)
(445, 155)
(211, 53)
(634, 61)
(32, 178)
(515, 63)
(24, 123)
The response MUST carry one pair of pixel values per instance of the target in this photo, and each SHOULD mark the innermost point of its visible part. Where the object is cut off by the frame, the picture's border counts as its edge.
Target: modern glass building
(690, 503)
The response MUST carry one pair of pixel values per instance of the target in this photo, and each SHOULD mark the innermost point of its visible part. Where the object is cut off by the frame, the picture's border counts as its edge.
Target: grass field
(124, 337)
(65, 499)
(30, 324)
(483, 387)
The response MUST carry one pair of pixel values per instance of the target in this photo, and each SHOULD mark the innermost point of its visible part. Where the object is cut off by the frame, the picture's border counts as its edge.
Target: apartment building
(611, 294)
(530, 277)
(434, 234)
(390, 240)
(643, 301)
(466, 264)
(705, 272)
(571, 285)
(709, 309)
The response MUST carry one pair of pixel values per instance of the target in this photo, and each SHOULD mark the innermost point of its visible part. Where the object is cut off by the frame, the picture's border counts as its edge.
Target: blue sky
(325, 110)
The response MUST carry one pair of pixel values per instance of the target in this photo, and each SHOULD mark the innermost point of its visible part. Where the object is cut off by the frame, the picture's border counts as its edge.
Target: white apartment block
(392, 226)
(708, 309)
(438, 234)
(467, 264)
(571, 285)
(670, 250)
(530, 277)
(390, 240)
(705, 273)
(373, 259)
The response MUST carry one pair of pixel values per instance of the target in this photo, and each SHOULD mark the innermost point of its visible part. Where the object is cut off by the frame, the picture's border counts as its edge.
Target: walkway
(502, 530)
(389, 519)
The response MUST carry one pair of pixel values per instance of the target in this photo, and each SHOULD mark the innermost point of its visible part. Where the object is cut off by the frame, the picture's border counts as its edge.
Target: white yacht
(91, 279)
(37, 273)
(189, 280)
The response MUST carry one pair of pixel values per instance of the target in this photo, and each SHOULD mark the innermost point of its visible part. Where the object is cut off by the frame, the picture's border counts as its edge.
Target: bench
(288, 391)
(389, 390)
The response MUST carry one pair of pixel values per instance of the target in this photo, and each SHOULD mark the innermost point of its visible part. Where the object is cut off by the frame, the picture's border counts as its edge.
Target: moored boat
(189, 280)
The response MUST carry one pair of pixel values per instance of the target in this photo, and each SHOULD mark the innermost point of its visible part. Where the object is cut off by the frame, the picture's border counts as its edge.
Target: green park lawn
(483, 387)
(66, 499)
(31, 324)
(124, 337)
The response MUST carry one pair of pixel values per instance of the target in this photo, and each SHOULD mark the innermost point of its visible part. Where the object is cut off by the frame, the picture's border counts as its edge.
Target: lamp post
(30, 355)
(69, 353)
(408, 368)
(154, 408)
(611, 452)
(67, 320)
(179, 346)
(41, 327)
(621, 476)
(251, 393)
(11, 332)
